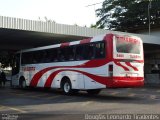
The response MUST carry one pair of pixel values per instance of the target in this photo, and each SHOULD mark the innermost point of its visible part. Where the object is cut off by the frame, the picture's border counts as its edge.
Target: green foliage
(93, 26)
(125, 15)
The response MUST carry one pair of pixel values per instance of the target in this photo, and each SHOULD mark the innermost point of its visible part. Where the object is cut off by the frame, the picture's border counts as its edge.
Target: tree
(127, 15)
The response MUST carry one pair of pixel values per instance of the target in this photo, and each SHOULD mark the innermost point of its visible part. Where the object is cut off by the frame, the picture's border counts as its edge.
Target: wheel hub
(66, 87)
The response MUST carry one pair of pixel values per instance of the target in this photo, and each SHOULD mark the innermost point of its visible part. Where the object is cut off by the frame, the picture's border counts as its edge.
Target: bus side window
(30, 58)
(71, 53)
(89, 51)
(24, 58)
(43, 55)
(37, 56)
(33, 56)
(79, 52)
(47, 56)
(99, 50)
(54, 54)
(61, 54)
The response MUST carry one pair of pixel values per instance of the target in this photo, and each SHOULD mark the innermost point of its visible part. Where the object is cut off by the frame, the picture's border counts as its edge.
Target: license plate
(128, 75)
(131, 74)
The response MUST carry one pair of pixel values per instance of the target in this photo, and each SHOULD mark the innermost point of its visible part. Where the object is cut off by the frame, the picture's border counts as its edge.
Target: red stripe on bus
(122, 66)
(89, 64)
(100, 79)
(85, 41)
(65, 44)
(129, 64)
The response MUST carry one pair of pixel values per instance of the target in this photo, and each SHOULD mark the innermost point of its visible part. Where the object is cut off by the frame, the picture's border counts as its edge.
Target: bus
(104, 61)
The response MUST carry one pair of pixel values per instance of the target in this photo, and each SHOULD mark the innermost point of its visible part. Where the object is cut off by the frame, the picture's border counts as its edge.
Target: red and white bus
(104, 61)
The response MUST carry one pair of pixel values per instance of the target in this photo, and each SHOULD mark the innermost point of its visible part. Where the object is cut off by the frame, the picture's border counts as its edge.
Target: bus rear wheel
(94, 92)
(67, 87)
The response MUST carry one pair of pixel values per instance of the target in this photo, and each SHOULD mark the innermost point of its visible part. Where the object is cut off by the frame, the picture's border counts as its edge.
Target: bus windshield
(127, 45)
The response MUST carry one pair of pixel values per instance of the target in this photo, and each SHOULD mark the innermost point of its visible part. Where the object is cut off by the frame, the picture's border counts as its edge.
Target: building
(17, 34)
(154, 31)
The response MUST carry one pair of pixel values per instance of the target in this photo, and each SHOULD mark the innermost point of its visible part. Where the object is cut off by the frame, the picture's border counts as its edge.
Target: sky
(61, 11)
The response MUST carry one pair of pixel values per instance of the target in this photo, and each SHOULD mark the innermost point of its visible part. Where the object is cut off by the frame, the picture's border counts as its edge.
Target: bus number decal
(135, 56)
(28, 68)
(120, 55)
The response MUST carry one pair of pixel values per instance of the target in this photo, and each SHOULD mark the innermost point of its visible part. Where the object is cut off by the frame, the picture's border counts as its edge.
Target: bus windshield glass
(127, 45)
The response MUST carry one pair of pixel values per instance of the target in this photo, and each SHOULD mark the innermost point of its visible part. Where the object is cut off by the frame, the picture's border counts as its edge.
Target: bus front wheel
(67, 87)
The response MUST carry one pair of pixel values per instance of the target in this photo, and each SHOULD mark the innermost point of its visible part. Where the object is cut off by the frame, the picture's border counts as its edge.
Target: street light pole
(149, 17)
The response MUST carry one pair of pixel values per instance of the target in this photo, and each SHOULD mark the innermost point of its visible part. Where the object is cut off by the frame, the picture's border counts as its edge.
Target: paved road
(49, 104)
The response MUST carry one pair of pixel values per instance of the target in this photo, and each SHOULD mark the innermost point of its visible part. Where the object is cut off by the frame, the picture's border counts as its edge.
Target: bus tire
(94, 92)
(66, 87)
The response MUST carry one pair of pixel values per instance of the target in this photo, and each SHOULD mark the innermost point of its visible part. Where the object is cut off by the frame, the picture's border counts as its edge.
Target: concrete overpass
(17, 33)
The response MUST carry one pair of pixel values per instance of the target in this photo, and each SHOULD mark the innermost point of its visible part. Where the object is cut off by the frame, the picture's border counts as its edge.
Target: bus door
(15, 70)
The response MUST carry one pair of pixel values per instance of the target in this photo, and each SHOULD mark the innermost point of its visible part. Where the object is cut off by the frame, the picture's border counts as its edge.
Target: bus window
(24, 58)
(27, 58)
(62, 54)
(30, 58)
(89, 51)
(79, 52)
(126, 46)
(44, 56)
(54, 54)
(99, 50)
(37, 56)
(70, 53)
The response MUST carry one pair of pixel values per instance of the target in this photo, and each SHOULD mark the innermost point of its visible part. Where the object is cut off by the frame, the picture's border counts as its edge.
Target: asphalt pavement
(52, 104)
